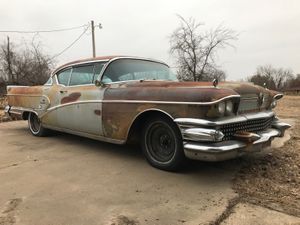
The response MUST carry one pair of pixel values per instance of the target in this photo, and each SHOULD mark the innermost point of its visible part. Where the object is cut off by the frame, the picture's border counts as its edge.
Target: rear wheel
(162, 144)
(35, 125)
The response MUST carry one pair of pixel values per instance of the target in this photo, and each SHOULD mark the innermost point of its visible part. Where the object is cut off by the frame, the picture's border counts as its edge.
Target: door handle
(63, 91)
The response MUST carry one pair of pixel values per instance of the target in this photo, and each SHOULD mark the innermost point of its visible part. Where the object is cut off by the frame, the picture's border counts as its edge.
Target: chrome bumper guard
(6, 110)
(205, 143)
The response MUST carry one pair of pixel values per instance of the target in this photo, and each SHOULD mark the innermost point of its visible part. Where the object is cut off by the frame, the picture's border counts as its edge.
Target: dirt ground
(65, 179)
(272, 179)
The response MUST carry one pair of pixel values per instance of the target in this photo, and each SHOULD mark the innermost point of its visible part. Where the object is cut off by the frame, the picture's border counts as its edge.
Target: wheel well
(25, 115)
(137, 125)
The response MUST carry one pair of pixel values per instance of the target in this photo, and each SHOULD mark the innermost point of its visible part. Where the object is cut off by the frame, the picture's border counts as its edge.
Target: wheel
(162, 144)
(35, 125)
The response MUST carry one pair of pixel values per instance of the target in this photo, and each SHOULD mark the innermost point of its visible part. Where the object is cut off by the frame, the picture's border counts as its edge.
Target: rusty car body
(119, 99)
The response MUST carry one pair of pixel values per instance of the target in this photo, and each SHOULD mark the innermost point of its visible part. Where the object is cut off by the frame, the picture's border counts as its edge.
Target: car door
(80, 101)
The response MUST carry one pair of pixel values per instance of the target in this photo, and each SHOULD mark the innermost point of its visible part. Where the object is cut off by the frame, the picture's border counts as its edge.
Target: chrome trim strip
(144, 80)
(170, 102)
(76, 64)
(235, 119)
(140, 102)
(9, 86)
(27, 95)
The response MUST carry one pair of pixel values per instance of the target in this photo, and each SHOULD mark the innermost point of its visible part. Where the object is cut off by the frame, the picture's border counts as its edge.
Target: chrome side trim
(218, 122)
(12, 86)
(171, 102)
(76, 64)
(28, 95)
(92, 136)
(141, 102)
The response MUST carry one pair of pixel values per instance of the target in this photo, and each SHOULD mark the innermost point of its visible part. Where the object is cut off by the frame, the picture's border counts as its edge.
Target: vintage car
(122, 99)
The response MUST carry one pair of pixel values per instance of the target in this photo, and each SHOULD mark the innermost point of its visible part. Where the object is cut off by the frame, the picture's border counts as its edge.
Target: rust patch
(71, 98)
(97, 112)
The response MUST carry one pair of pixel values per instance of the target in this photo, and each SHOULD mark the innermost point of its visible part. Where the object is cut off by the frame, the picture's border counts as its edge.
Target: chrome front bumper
(202, 139)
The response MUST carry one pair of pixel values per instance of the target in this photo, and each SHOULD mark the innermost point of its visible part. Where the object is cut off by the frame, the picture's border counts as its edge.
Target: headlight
(273, 104)
(221, 108)
(229, 107)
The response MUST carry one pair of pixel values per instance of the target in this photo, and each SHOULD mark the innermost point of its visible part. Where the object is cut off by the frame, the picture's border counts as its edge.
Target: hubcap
(35, 123)
(161, 142)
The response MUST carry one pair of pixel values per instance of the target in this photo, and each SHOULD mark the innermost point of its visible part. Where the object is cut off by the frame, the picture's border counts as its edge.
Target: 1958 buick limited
(118, 99)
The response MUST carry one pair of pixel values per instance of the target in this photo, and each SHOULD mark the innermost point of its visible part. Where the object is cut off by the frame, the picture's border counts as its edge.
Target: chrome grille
(255, 126)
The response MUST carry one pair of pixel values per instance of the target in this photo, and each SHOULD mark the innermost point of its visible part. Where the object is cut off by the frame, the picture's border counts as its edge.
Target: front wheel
(35, 125)
(162, 144)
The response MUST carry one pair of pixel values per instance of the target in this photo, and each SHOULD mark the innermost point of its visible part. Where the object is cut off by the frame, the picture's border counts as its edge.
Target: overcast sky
(269, 30)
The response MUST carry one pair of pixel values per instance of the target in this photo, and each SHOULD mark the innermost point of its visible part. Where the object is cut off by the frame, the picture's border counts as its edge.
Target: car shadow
(134, 151)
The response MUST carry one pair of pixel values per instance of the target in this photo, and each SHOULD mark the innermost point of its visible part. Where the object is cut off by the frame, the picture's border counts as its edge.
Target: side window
(64, 76)
(82, 75)
(49, 82)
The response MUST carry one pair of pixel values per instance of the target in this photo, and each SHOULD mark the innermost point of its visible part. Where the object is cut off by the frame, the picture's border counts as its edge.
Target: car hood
(183, 91)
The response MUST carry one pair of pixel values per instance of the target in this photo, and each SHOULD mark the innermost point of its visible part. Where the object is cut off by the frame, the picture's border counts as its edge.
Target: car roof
(101, 58)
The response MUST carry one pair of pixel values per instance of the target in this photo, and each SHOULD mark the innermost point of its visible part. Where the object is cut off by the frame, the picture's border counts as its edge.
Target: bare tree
(24, 66)
(196, 51)
(274, 78)
(293, 82)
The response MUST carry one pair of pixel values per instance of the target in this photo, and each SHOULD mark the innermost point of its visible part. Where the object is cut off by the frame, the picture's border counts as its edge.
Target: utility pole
(93, 38)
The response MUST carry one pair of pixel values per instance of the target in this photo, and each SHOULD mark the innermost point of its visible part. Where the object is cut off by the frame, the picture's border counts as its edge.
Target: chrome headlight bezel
(229, 107)
(221, 108)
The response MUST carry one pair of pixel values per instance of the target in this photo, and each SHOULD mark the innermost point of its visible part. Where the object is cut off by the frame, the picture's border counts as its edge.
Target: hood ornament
(215, 82)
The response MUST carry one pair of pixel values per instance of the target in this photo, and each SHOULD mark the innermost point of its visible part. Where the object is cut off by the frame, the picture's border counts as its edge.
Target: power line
(69, 46)
(42, 31)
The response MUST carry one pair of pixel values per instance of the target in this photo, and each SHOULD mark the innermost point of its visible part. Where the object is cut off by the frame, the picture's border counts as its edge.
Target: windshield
(135, 69)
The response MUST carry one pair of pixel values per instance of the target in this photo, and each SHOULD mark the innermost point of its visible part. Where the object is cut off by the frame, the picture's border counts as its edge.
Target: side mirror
(99, 83)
